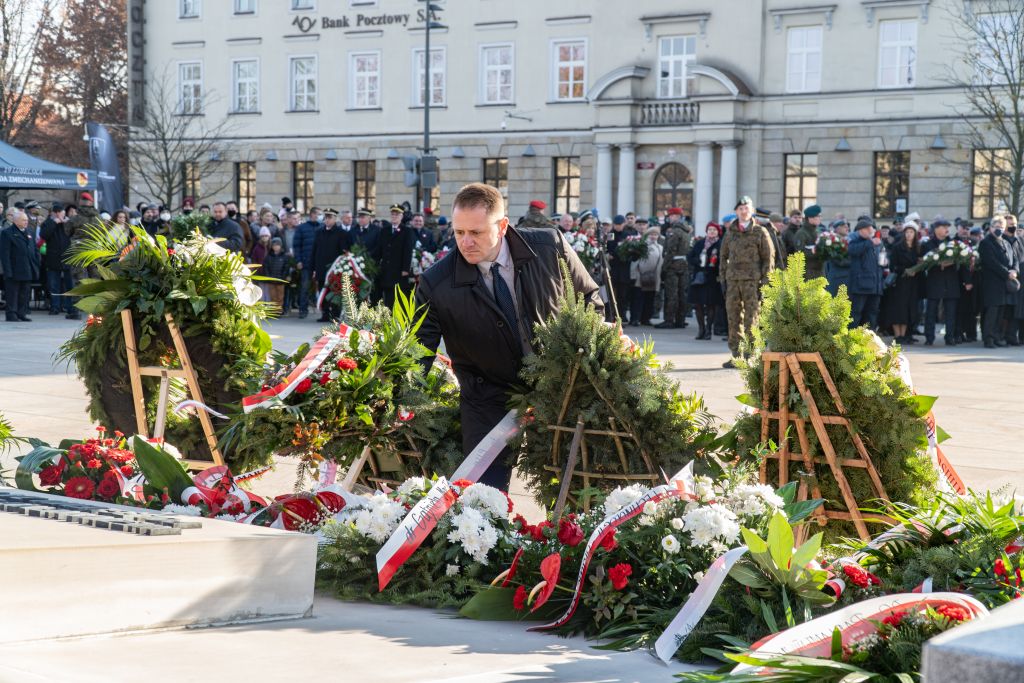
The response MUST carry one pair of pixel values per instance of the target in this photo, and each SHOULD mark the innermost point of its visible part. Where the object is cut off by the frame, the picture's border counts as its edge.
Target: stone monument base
(989, 650)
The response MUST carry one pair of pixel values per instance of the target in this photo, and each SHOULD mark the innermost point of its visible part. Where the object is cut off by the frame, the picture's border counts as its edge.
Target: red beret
(86, 197)
(538, 204)
(675, 211)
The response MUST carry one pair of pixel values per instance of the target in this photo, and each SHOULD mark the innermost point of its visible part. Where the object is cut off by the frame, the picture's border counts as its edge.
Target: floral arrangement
(90, 470)
(952, 253)
(832, 246)
(585, 246)
(359, 271)
(633, 248)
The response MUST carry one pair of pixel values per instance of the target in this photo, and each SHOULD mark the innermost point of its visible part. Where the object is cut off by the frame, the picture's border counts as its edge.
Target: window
(365, 174)
(245, 7)
(189, 9)
(496, 69)
(991, 186)
(673, 186)
(675, 54)
(994, 57)
(892, 184)
(303, 84)
(570, 69)
(302, 185)
(803, 59)
(190, 181)
(801, 188)
(245, 86)
(364, 80)
(897, 57)
(437, 77)
(190, 88)
(567, 184)
(496, 175)
(303, 4)
(245, 185)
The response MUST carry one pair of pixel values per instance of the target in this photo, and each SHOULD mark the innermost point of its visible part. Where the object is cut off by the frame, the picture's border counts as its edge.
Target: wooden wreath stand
(187, 372)
(789, 367)
(617, 430)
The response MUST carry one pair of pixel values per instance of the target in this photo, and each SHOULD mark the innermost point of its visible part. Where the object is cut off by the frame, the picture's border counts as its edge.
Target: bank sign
(362, 21)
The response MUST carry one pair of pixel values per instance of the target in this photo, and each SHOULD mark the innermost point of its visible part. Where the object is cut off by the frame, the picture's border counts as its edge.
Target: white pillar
(727, 180)
(627, 179)
(603, 180)
(703, 211)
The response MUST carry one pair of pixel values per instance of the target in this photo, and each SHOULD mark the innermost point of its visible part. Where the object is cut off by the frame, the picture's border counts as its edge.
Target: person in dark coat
(837, 270)
(484, 301)
(424, 235)
(366, 230)
(621, 280)
(776, 228)
(151, 219)
(1015, 318)
(58, 274)
(302, 250)
(225, 229)
(943, 285)
(865, 278)
(901, 299)
(394, 254)
(276, 264)
(329, 243)
(19, 260)
(705, 290)
(1000, 284)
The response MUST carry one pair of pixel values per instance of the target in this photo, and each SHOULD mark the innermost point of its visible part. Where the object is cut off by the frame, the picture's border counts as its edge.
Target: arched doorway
(673, 186)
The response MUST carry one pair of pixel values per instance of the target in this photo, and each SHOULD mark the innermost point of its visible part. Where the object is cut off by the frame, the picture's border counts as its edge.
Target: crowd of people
(903, 279)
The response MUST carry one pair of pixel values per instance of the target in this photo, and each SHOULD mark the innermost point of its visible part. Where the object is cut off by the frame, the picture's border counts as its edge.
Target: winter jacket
(865, 273)
(943, 283)
(57, 242)
(230, 233)
(745, 254)
(328, 245)
(302, 243)
(648, 266)
(276, 265)
(997, 260)
(620, 267)
(19, 257)
(678, 239)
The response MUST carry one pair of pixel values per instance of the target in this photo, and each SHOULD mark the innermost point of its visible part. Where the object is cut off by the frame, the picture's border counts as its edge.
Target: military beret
(812, 211)
(744, 200)
(619, 220)
(675, 211)
(538, 204)
(775, 218)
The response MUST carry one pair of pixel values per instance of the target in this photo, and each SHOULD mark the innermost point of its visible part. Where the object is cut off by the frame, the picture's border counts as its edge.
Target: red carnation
(461, 483)
(304, 386)
(619, 575)
(569, 532)
(79, 487)
(324, 379)
(894, 619)
(857, 576)
(537, 532)
(347, 364)
(50, 476)
(953, 612)
(519, 599)
(1000, 568)
(608, 542)
(94, 464)
(108, 488)
(523, 527)
(127, 470)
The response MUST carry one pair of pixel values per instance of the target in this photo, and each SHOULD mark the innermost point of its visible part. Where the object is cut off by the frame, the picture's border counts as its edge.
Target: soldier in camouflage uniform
(535, 217)
(675, 273)
(745, 259)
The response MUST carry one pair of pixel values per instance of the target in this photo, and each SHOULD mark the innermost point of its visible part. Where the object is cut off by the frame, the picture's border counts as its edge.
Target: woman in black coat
(901, 300)
(705, 291)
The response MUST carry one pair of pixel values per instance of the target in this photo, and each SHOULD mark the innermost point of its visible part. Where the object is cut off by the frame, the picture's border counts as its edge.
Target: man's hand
(1013, 274)
(876, 241)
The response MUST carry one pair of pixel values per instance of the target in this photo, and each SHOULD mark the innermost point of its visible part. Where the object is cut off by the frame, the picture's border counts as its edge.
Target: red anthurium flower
(509, 499)
(550, 569)
(331, 500)
(1000, 568)
(297, 510)
(304, 386)
(512, 571)
(569, 532)
(79, 487)
(519, 599)
(619, 575)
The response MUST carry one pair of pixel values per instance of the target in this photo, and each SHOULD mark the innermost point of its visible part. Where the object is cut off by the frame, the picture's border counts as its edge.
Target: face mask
(165, 216)
(232, 213)
(1011, 229)
(998, 232)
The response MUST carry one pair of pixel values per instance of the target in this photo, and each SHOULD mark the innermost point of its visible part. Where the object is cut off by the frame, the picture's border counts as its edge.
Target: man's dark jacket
(865, 273)
(19, 257)
(230, 232)
(394, 249)
(939, 282)
(997, 260)
(302, 243)
(57, 242)
(327, 246)
(461, 309)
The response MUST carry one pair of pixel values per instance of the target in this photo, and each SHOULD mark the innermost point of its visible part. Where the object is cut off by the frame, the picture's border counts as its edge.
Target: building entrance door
(673, 186)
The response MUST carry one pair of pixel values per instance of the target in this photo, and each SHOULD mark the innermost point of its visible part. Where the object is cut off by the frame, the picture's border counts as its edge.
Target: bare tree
(176, 134)
(990, 70)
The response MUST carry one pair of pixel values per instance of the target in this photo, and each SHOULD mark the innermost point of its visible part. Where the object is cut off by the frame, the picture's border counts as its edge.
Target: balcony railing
(667, 113)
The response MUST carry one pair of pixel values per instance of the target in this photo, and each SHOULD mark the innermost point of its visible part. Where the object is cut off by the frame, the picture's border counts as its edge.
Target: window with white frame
(190, 88)
(675, 54)
(303, 84)
(496, 73)
(245, 86)
(245, 6)
(189, 9)
(364, 80)
(437, 77)
(569, 77)
(803, 59)
(897, 54)
(303, 4)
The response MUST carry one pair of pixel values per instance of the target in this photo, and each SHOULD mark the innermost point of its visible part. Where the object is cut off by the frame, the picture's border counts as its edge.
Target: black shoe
(728, 364)
(951, 342)
(73, 316)
(302, 315)
(683, 324)
(1013, 342)
(24, 319)
(323, 320)
(54, 312)
(11, 320)
(665, 325)
(989, 344)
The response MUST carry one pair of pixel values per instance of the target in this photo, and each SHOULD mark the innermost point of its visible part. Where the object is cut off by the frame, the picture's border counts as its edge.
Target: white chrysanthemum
(376, 517)
(698, 577)
(622, 496)
(752, 500)
(225, 517)
(487, 499)
(670, 544)
(709, 523)
(677, 524)
(704, 488)
(650, 508)
(189, 510)
(412, 485)
(474, 533)
(451, 570)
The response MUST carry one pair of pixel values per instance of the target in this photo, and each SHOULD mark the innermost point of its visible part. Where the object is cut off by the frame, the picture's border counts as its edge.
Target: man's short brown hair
(476, 195)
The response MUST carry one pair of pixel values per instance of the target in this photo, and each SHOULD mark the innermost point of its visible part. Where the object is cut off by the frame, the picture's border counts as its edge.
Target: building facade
(581, 103)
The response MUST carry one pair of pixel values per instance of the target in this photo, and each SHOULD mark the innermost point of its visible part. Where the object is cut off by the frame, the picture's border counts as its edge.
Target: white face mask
(165, 216)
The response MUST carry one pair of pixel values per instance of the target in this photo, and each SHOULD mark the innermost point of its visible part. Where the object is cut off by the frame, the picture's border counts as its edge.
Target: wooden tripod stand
(789, 367)
(187, 372)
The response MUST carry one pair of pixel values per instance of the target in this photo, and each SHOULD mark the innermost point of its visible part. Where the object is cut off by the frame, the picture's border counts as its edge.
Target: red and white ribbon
(197, 405)
(318, 354)
(413, 530)
(485, 452)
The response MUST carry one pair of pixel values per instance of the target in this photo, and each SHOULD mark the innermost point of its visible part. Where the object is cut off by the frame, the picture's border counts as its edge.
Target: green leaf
(923, 404)
(788, 493)
(798, 512)
(748, 576)
(748, 400)
(837, 645)
(941, 434)
(780, 541)
(198, 304)
(754, 543)
(162, 469)
(495, 604)
(88, 288)
(806, 552)
(33, 461)
(769, 618)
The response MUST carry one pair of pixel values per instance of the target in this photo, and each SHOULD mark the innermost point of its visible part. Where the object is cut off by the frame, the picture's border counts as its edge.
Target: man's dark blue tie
(503, 296)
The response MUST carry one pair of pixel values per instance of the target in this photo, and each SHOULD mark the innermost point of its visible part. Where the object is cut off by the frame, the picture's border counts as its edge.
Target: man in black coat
(865, 285)
(999, 267)
(621, 280)
(19, 259)
(226, 229)
(58, 275)
(366, 230)
(942, 286)
(329, 242)
(394, 255)
(485, 299)
(1015, 318)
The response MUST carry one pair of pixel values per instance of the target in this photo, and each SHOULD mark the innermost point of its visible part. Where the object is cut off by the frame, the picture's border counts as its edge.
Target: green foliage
(613, 385)
(163, 471)
(799, 316)
(184, 226)
(32, 462)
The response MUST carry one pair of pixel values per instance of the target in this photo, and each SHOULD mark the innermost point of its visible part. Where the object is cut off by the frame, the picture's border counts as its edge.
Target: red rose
(94, 464)
(953, 612)
(50, 476)
(127, 470)
(108, 488)
(857, 576)
(347, 364)
(1000, 568)
(569, 532)
(324, 379)
(874, 580)
(608, 542)
(304, 386)
(79, 487)
(519, 599)
(894, 619)
(619, 575)
(538, 531)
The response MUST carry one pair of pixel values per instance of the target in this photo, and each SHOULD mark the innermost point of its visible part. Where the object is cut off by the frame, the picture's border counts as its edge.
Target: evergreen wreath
(801, 316)
(583, 370)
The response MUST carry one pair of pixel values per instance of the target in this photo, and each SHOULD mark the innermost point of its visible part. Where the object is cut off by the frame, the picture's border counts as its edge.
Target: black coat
(865, 273)
(997, 260)
(366, 237)
(943, 283)
(394, 255)
(57, 242)
(19, 257)
(619, 267)
(328, 245)
(230, 232)
(276, 265)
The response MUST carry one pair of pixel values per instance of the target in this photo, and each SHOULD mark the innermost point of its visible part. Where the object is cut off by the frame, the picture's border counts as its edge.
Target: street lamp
(428, 179)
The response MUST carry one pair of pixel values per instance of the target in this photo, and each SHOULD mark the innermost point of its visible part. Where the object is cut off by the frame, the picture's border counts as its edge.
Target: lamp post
(431, 166)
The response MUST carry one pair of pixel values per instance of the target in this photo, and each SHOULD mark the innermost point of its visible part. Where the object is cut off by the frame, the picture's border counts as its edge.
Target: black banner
(103, 158)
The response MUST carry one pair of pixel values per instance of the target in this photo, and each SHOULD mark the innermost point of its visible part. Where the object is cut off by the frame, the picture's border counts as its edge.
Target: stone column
(627, 179)
(727, 192)
(703, 211)
(603, 180)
